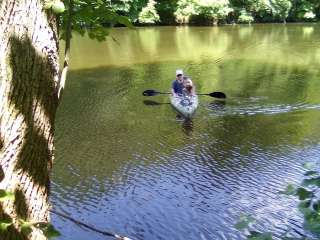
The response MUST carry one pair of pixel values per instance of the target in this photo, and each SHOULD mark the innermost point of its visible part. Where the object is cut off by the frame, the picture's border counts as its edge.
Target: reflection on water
(187, 126)
(154, 103)
(127, 163)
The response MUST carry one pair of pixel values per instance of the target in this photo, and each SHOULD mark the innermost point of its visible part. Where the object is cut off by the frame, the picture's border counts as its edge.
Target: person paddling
(177, 85)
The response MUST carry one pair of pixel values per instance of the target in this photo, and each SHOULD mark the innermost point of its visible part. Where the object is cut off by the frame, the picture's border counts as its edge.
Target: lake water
(133, 167)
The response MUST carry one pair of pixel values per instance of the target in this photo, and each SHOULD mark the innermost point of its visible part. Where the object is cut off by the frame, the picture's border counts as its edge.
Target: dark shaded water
(133, 167)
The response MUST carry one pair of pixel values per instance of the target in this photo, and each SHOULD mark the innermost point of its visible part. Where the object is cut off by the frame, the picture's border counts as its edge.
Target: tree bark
(29, 83)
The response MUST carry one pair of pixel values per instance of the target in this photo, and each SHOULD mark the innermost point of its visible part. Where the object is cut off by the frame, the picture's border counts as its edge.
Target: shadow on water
(154, 103)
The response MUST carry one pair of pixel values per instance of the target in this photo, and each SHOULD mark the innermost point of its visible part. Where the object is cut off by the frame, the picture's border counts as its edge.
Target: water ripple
(255, 109)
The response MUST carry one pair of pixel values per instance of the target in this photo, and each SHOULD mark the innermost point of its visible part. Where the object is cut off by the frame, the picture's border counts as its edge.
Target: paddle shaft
(213, 94)
(152, 92)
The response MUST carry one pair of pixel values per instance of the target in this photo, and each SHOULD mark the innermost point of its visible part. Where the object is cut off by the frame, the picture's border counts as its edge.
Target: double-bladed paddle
(152, 92)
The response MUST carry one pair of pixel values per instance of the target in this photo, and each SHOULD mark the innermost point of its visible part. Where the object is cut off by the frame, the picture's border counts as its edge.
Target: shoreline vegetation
(95, 19)
(218, 25)
(216, 12)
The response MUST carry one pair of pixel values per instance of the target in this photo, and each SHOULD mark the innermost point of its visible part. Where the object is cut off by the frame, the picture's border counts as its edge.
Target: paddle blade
(217, 95)
(150, 92)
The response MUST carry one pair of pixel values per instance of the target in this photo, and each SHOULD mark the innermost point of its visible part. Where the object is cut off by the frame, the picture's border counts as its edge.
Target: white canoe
(185, 105)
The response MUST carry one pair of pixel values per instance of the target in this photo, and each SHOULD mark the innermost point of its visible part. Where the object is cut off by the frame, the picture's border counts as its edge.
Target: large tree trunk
(29, 83)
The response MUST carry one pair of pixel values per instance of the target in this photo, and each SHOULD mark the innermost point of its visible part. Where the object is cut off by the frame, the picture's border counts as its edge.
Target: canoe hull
(186, 106)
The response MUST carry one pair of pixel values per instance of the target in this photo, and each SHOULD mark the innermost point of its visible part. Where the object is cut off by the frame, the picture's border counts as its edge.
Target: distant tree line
(212, 12)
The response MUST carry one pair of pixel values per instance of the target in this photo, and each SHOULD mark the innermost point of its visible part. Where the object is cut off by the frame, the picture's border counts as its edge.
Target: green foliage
(281, 8)
(105, 13)
(215, 9)
(209, 10)
(166, 10)
(4, 224)
(260, 236)
(290, 190)
(129, 8)
(305, 10)
(93, 17)
(311, 173)
(311, 181)
(25, 226)
(90, 14)
(309, 206)
(48, 229)
(245, 17)
(6, 195)
(309, 15)
(303, 193)
(47, 4)
(308, 165)
(185, 9)
(260, 10)
(56, 5)
(149, 14)
(244, 222)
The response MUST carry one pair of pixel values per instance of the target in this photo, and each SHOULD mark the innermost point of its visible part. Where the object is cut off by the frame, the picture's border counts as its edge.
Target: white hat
(179, 71)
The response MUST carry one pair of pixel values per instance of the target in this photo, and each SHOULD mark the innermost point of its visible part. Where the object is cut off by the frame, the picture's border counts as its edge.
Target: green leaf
(309, 165)
(303, 193)
(98, 33)
(316, 206)
(48, 230)
(312, 223)
(48, 4)
(260, 236)
(6, 195)
(125, 21)
(4, 225)
(244, 222)
(304, 208)
(311, 173)
(51, 232)
(304, 204)
(289, 190)
(25, 226)
(58, 7)
(312, 181)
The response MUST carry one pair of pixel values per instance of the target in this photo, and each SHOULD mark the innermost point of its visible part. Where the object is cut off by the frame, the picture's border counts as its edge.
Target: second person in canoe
(188, 87)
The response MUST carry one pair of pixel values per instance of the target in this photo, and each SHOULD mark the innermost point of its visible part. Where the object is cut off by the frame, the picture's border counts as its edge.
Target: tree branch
(67, 50)
(89, 226)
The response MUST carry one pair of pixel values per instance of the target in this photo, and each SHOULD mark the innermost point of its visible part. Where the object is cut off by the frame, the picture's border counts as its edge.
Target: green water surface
(132, 166)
